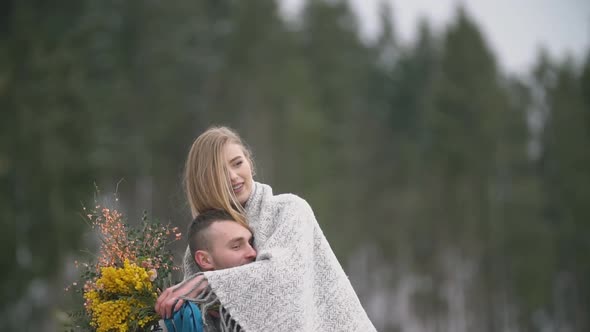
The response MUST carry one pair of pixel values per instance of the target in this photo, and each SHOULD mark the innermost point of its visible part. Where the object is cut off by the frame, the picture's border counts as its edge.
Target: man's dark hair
(197, 237)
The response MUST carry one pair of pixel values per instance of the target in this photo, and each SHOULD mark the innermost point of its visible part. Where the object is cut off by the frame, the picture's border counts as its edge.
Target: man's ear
(204, 260)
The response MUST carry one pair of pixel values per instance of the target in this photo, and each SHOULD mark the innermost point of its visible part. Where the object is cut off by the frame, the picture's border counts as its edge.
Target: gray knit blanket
(296, 282)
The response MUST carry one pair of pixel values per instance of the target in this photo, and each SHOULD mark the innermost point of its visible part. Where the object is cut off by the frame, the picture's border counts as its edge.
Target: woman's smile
(238, 188)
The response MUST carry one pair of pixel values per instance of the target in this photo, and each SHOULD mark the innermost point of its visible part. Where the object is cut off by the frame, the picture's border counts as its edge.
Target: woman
(296, 282)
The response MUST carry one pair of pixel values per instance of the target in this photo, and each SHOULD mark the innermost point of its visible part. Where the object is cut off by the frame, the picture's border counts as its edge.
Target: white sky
(515, 29)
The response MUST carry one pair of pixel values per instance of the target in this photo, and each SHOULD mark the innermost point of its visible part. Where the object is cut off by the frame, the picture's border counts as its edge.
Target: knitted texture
(296, 282)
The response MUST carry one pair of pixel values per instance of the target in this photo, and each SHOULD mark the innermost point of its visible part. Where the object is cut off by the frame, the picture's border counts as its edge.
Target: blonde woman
(296, 282)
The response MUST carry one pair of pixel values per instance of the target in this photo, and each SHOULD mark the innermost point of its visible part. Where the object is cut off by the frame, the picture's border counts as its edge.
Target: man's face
(230, 245)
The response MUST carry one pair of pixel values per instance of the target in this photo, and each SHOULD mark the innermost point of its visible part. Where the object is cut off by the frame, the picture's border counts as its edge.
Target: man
(217, 242)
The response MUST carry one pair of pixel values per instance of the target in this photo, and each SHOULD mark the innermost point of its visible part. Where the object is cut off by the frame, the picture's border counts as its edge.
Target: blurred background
(447, 158)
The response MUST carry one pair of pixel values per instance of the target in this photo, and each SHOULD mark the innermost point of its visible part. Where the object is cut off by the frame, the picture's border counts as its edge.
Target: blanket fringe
(227, 322)
(206, 300)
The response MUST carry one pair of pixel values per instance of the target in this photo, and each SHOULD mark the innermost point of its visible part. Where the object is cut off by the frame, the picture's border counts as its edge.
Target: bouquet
(119, 287)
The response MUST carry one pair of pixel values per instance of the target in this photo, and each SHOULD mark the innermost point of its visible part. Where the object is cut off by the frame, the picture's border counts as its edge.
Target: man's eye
(236, 246)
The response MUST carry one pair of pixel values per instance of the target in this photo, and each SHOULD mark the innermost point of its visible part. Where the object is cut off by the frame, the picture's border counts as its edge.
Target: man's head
(218, 242)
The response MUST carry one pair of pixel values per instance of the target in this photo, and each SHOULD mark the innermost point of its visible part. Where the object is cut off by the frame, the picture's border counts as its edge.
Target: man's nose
(251, 254)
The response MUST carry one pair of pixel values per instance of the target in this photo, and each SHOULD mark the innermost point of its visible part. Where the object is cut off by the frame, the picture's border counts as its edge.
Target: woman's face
(240, 171)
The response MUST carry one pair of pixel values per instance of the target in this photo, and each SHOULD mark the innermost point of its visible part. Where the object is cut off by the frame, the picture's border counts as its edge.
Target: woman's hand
(170, 300)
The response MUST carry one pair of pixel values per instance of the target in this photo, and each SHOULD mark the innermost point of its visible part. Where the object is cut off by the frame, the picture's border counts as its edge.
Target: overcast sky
(515, 29)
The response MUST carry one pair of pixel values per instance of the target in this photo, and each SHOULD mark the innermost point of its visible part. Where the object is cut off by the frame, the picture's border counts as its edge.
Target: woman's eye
(239, 163)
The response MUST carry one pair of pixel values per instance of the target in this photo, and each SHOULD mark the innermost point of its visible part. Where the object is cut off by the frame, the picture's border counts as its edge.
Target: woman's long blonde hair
(206, 178)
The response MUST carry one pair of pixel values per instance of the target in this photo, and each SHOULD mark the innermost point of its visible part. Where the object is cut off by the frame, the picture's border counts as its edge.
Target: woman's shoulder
(292, 202)
(281, 203)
